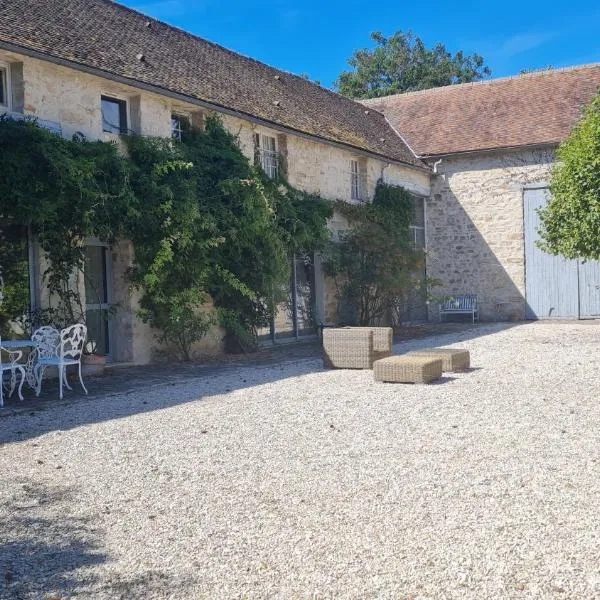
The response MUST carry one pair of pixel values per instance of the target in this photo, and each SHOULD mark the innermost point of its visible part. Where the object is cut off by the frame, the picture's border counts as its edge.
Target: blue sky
(316, 38)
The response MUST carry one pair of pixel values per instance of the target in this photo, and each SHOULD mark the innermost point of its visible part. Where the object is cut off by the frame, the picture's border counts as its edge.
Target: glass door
(97, 297)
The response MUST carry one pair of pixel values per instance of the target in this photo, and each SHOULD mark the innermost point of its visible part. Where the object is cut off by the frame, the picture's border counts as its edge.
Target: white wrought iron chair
(14, 356)
(59, 349)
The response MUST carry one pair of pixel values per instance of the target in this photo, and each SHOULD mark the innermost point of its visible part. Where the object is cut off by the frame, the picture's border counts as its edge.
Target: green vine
(373, 263)
(206, 225)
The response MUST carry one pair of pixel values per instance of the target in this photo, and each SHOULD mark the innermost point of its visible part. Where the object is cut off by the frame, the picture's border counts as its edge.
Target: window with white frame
(355, 181)
(4, 87)
(268, 156)
(179, 124)
(417, 226)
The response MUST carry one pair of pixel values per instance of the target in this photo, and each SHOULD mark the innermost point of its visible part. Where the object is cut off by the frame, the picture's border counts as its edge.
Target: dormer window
(267, 154)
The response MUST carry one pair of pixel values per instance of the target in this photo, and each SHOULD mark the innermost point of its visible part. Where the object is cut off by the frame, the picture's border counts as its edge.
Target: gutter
(439, 157)
(201, 103)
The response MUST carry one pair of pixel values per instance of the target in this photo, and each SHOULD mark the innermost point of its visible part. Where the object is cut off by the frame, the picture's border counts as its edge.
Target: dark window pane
(14, 283)
(97, 324)
(95, 275)
(113, 115)
(418, 212)
(3, 99)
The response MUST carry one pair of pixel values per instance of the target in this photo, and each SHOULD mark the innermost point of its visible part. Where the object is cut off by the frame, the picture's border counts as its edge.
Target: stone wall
(474, 228)
(71, 99)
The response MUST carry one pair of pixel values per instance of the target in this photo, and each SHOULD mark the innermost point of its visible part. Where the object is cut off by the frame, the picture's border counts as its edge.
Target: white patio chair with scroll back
(59, 351)
(13, 365)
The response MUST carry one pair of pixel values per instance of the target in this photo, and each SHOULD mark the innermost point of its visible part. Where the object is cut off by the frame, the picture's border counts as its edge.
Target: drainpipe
(435, 166)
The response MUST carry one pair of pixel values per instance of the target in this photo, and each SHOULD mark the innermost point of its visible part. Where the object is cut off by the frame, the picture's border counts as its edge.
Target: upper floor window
(4, 93)
(114, 115)
(268, 155)
(355, 181)
(417, 226)
(178, 125)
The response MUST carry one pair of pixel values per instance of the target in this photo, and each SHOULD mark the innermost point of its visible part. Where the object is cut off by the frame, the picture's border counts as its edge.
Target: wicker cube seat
(407, 369)
(453, 359)
(383, 340)
(348, 348)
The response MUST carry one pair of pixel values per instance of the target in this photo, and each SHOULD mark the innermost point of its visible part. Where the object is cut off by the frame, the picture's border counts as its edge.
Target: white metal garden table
(17, 345)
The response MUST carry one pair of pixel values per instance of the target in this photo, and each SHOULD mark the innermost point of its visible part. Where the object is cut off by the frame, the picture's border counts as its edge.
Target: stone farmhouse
(474, 156)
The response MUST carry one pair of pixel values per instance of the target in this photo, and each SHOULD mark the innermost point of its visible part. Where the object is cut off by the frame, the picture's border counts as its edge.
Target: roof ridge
(529, 75)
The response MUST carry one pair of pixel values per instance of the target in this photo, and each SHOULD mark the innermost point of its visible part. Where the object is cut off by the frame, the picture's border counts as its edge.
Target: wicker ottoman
(407, 369)
(452, 359)
(348, 348)
(383, 340)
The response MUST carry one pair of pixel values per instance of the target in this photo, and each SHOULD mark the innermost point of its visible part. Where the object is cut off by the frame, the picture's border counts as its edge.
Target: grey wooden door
(551, 282)
(589, 288)
(554, 286)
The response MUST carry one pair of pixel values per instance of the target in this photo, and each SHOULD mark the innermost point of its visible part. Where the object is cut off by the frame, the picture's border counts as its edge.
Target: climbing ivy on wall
(373, 263)
(63, 191)
(205, 223)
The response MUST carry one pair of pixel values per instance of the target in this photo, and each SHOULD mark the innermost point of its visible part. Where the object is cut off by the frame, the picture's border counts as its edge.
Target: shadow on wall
(475, 231)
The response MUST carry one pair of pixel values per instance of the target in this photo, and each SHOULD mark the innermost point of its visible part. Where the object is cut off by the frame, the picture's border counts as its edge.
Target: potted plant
(93, 363)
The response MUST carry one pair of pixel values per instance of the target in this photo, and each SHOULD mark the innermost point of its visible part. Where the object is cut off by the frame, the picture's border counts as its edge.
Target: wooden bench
(460, 305)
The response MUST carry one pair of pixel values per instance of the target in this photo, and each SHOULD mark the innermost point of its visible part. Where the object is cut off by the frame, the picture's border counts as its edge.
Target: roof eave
(11, 47)
(540, 145)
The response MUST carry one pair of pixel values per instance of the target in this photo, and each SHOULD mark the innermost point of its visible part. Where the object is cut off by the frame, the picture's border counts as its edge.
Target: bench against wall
(460, 305)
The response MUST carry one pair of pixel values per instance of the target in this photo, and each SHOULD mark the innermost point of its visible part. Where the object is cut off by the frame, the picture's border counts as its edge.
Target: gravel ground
(294, 482)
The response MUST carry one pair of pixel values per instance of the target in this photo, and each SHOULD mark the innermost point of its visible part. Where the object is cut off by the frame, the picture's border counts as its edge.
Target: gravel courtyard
(289, 481)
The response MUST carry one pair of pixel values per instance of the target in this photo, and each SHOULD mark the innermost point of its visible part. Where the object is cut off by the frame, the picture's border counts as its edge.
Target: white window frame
(268, 153)
(414, 229)
(5, 75)
(113, 96)
(177, 133)
(355, 192)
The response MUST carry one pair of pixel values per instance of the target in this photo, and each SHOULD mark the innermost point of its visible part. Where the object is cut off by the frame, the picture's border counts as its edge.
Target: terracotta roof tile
(103, 35)
(533, 109)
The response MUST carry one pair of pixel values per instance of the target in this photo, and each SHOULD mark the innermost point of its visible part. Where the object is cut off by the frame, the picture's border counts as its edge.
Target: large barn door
(551, 282)
(589, 288)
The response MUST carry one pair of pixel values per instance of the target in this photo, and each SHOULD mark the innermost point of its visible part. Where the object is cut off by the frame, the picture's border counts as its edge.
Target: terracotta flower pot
(93, 364)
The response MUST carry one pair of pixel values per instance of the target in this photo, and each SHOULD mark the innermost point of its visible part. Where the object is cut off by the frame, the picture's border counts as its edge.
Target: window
(114, 115)
(97, 297)
(4, 94)
(15, 282)
(417, 227)
(267, 154)
(178, 124)
(354, 181)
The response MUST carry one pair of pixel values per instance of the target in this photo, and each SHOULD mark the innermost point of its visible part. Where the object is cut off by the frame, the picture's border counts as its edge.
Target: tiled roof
(533, 109)
(103, 35)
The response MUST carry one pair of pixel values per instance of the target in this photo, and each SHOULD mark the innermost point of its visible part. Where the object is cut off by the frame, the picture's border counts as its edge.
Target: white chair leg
(39, 375)
(1, 390)
(13, 381)
(66, 381)
(81, 379)
(22, 370)
(60, 380)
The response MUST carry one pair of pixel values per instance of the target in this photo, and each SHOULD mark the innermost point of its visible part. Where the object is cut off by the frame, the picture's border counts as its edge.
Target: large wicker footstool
(407, 369)
(348, 348)
(453, 359)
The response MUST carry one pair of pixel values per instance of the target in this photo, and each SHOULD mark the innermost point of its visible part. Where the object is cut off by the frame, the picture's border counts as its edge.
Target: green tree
(373, 263)
(570, 223)
(402, 63)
